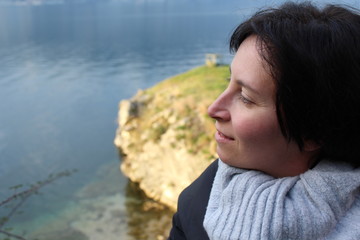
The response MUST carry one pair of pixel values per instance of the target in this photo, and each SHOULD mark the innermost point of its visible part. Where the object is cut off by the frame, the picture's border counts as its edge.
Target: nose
(219, 109)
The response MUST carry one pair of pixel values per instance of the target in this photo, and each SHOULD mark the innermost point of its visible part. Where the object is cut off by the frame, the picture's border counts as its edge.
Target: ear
(311, 146)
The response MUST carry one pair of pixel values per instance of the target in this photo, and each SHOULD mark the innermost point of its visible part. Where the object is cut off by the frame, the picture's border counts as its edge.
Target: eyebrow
(244, 85)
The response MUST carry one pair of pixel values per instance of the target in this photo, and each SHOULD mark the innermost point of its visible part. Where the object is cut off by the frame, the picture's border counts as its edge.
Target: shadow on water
(110, 207)
(146, 219)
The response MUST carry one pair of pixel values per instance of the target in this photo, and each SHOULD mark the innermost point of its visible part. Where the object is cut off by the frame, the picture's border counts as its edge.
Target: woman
(287, 133)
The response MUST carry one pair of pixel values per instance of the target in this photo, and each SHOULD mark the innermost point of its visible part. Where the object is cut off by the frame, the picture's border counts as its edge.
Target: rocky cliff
(165, 135)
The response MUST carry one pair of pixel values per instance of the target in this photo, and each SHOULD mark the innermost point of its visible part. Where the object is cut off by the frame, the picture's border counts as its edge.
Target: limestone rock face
(165, 135)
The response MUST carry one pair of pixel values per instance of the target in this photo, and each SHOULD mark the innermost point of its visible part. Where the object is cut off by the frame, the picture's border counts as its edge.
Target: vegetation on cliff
(165, 134)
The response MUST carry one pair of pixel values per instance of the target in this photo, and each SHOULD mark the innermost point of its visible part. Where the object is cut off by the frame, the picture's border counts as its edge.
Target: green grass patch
(187, 96)
(202, 81)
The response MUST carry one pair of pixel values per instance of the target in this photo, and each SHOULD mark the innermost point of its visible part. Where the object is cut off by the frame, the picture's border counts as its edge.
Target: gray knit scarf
(322, 203)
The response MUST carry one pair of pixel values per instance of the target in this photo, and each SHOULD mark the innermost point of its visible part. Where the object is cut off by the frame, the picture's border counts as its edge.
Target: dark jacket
(192, 203)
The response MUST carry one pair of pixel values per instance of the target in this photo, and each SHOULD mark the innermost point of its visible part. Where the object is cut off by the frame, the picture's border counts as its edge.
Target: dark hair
(314, 58)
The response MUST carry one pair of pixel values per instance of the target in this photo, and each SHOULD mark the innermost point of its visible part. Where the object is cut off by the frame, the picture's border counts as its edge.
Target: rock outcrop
(165, 135)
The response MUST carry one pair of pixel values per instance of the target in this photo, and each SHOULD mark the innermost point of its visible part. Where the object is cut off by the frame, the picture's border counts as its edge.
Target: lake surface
(64, 69)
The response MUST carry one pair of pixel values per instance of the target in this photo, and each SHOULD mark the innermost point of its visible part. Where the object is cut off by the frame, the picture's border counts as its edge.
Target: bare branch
(24, 195)
(12, 235)
(37, 186)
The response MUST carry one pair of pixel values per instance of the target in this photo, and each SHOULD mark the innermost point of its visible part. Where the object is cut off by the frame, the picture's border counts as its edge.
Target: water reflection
(99, 211)
(146, 219)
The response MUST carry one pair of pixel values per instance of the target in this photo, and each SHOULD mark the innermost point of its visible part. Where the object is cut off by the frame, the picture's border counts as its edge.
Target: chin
(224, 158)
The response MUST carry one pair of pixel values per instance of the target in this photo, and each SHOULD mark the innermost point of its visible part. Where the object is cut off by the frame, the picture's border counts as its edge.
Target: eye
(244, 99)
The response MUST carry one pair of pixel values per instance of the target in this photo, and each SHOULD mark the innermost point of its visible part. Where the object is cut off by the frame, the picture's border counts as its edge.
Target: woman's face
(248, 134)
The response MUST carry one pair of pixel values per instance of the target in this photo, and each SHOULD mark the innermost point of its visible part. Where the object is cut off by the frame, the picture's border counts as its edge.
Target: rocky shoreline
(164, 134)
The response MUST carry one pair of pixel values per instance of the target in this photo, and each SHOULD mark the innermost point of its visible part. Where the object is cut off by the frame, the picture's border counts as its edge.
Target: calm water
(64, 69)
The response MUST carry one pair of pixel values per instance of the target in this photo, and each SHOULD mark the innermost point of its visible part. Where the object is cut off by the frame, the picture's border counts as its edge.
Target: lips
(221, 137)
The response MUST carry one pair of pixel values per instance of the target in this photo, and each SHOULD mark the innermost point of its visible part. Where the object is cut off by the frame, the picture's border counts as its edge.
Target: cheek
(261, 127)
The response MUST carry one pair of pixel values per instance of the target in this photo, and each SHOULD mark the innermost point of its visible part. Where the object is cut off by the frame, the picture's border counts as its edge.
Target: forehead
(249, 68)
